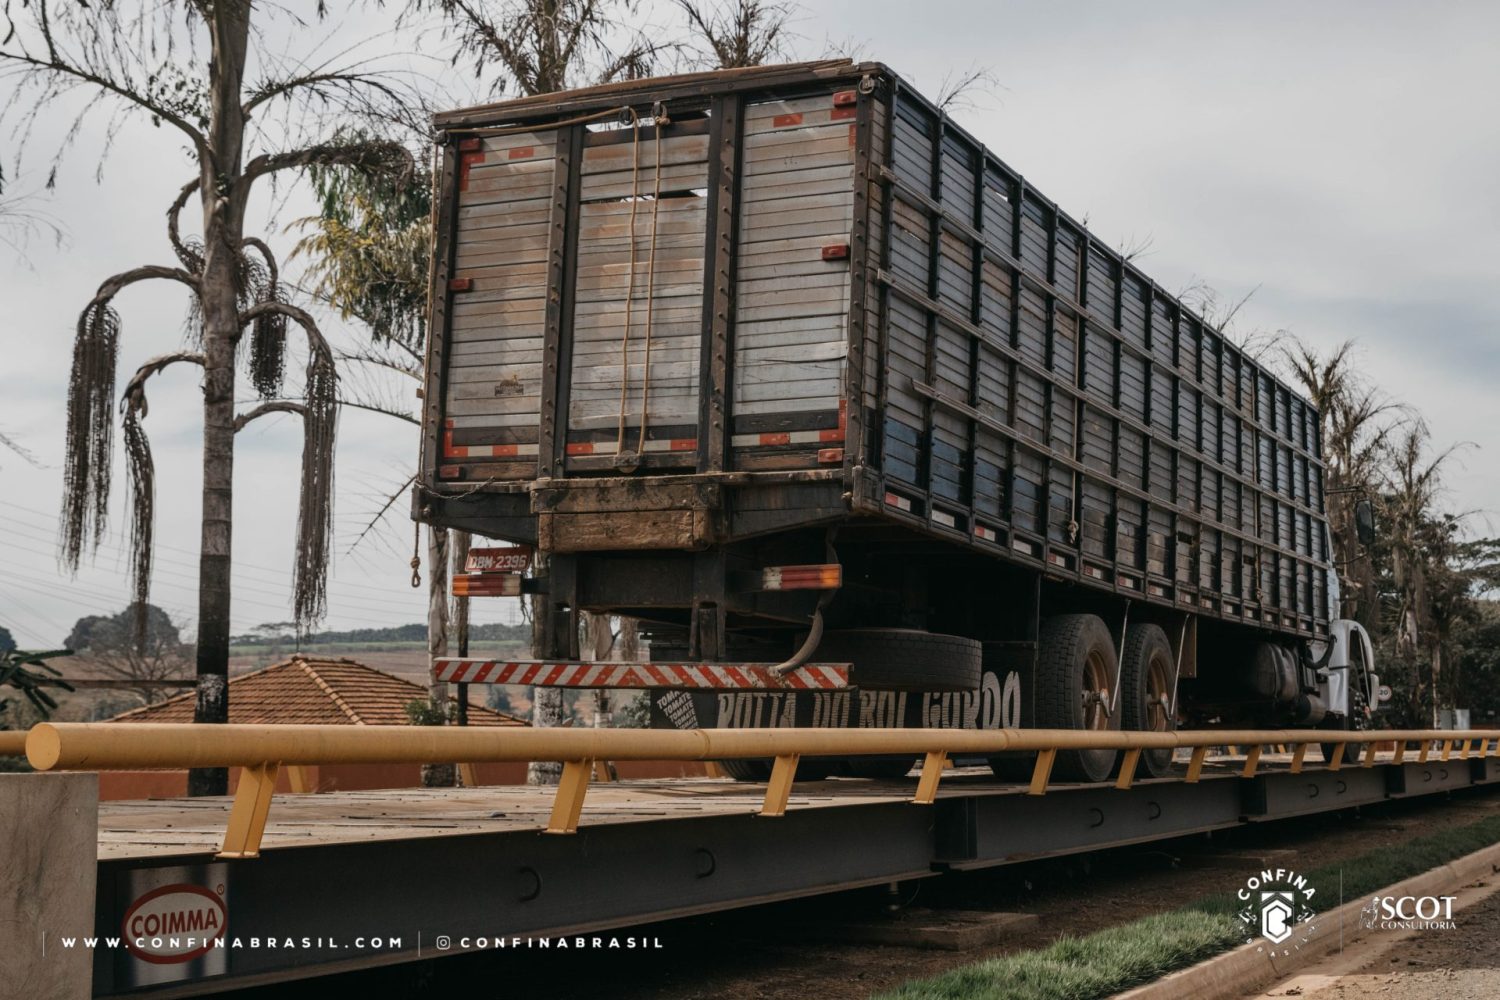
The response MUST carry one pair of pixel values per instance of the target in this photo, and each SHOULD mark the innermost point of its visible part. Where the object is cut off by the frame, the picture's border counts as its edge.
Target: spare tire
(898, 659)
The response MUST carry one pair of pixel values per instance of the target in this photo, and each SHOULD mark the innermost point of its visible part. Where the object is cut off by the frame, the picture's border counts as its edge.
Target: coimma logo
(174, 923)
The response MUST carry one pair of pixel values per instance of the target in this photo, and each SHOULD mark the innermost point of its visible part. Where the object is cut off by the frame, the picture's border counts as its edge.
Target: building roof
(310, 690)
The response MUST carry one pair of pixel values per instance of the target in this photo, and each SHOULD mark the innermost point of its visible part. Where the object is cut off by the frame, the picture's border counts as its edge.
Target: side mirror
(1364, 522)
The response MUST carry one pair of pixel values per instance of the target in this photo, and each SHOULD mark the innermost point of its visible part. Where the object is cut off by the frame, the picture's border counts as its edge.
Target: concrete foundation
(49, 835)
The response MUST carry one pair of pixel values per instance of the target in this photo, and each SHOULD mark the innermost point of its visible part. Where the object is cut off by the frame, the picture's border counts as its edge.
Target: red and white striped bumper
(701, 676)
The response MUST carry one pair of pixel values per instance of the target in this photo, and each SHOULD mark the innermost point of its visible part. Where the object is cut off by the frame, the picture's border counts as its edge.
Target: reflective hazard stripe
(451, 450)
(788, 437)
(468, 670)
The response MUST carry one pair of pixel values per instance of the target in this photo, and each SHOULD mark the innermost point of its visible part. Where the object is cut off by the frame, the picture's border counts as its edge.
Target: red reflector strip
(487, 585)
(608, 447)
(811, 677)
(468, 145)
(450, 471)
(830, 456)
(522, 152)
(784, 121)
(825, 436)
(485, 450)
(465, 161)
(900, 503)
(836, 251)
(845, 99)
(980, 531)
(460, 284)
(839, 114)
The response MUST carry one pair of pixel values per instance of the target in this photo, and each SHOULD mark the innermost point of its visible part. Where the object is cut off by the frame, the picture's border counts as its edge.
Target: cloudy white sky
(1341, 158)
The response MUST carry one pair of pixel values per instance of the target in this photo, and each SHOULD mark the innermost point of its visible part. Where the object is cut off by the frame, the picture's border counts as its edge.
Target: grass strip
(1106, 962)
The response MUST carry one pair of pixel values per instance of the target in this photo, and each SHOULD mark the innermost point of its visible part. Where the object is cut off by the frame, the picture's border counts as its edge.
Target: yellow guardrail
(261, 750)
(12, 743)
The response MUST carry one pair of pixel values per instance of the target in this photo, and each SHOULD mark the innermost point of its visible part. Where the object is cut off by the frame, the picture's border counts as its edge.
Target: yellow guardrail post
(1400, 754)
(932, 772)
(779, 788)
(1338, 757)
(1195, 765)
(1252, 761)
(466, 776)
(1298, 756)
(247, 817)
(1043, 771)
(1127, 767)
(567, 807)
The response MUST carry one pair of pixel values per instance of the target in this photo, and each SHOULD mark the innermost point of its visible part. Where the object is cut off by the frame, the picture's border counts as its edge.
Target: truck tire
(1353, 752)
(1146, 670)
(1075, 670)
(897, 659)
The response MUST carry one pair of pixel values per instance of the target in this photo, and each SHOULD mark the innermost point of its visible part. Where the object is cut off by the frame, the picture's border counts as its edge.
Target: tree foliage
(30, 674)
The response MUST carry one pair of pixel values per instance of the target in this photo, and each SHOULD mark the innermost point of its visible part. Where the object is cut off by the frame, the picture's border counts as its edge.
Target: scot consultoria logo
(1276, 906)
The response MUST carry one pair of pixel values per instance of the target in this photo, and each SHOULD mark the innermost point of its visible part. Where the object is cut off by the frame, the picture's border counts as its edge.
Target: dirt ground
(776, 952)
(1462, 963)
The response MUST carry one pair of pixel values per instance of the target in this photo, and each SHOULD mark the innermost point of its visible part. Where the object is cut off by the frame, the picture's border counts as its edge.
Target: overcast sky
(1340, 158)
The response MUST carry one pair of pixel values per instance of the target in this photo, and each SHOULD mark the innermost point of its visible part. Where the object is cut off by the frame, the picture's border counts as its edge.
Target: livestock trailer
(788, 366)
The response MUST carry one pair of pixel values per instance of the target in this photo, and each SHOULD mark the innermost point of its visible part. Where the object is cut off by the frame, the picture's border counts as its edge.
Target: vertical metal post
(932, 773)
(1252, 761)
(779, 789)
(1195, 766)
(571, 789)
(247, 817)
(1043, 772)
(1127, 768)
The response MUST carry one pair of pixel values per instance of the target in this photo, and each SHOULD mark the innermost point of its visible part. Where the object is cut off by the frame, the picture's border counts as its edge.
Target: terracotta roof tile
(308, 690)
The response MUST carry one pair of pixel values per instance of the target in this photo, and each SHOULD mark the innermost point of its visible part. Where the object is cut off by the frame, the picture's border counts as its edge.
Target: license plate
(507, 560)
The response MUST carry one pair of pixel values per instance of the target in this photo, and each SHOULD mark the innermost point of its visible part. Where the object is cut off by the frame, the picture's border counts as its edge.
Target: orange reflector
(845, 99)
(468, 145)
(836, 251)
(821, 576)
(487, 585)
(460, 284)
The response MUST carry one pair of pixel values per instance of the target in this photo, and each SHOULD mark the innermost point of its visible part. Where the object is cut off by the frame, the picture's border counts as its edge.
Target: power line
(168, 574)
(279, 574)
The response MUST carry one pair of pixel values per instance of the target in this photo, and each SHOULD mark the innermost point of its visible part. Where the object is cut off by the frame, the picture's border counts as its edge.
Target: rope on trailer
(416, 555)
(651, 289)
(635, 170)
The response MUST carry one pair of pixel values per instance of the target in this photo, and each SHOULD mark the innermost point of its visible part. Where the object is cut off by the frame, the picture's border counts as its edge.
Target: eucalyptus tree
(208, 73)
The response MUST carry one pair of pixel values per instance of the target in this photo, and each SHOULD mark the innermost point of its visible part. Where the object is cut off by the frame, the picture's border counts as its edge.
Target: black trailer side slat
(1126, 407)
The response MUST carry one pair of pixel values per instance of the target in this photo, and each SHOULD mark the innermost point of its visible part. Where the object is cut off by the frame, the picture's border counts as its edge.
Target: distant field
(328, 648)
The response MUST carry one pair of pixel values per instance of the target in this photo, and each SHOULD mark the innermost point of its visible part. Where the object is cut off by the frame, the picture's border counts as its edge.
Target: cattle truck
(787, 366)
